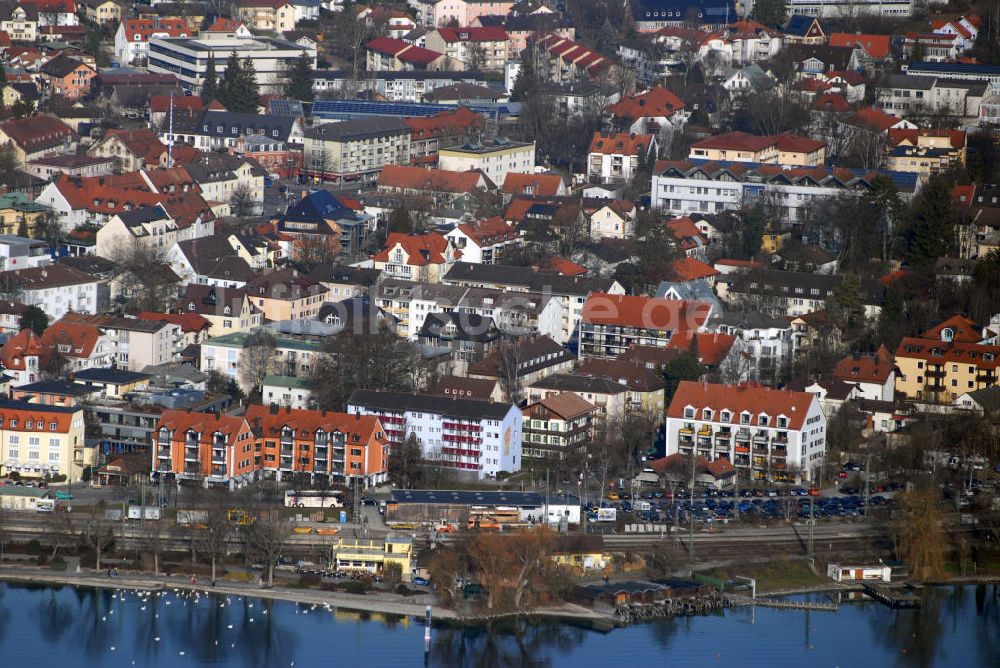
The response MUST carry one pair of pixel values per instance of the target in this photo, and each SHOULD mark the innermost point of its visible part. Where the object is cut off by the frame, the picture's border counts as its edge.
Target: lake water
(68, 627)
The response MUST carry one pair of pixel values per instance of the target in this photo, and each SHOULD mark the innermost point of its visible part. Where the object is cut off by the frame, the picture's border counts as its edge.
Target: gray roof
(243, 124)
(988, 398)
(910, 82)
(565, 382)
(145, 214)
(118, 376)
(359, 128)
(398, 402)
(466, 273)
(468, 497)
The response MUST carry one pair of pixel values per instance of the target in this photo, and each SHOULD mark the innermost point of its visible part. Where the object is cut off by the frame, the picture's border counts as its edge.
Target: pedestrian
(109, 573)
(194, 579)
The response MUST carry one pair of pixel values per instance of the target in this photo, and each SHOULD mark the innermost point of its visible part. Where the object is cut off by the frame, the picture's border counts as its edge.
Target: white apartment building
(292, 357)
(768, 435)
(478, 437)
(493, 158)
(187, 58)
(683, 188)
(903, 95)
(834, 9)
(518, 313)
(148, 226)
(57, 289)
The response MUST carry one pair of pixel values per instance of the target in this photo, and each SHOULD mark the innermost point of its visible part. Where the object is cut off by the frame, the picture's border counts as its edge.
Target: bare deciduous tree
(60, 531)
(267, 536)
(257, 359)
(99, 531)
(509, 371)
(213, 538)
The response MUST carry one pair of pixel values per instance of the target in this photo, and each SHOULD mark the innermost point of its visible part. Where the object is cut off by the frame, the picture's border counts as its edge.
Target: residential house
(22, 356)
(646, 386)
(194, 327)
(533, 185)
(874, 375)
(133, 35)
(783, 149)
(20, 21)
(870, 51)
(651, 112)
(214, 130)
(67, 77)
(535, 356)
(557, 427)
(909, 95)
(612, 219)
(131, 150)
(286, 295)
(227, 310)
(925, 151)
(82, 345)
(765, 341)
(494, 158)
(446, 128)
(803, 29)
(483, 49)
(210, 260)
(101, 11)
(56, 289)
(567, 60)
(609, 397)
(485, 241)
(394, 55)
(325, 227)
(287, 392)
(37, 137)
(149, 226)
(425, 257)
(267, 15)
(616, 157)
(444, 186)
(136, 343)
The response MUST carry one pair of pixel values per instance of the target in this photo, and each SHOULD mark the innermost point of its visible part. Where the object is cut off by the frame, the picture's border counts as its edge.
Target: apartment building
(494, 158)
(210, 448)
(945, 362)
(329, 446)
(571, 291)
(767, 434)
(482, 438)
(609, 397)
(292, 356)
(188, 58)
(907, 95)
(834, 9)
(557, 427)
(485, 241)
(611, 324)
(227, 310)
(149, 226)
(56, 289)
(39, 440)
(385, 54)
(135, 343)
(286, 295)
(424, 257)
(925, 151)
(614, 157)
(513, 313)
(404, 86)
(791, 293)
(483, 49)
(356, 149)
(286, 391)
(133, 35)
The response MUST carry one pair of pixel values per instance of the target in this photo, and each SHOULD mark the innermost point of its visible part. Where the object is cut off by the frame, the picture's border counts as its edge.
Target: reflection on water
(69, 627)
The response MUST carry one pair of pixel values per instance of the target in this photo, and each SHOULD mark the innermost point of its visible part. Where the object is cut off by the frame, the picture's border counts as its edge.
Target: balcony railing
(192, 468)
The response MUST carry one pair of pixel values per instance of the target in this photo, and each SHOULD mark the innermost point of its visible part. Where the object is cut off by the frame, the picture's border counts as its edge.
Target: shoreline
(372, 603)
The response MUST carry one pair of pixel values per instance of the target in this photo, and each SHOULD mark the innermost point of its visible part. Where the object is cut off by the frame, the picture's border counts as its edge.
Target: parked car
(64, 496)
(422, 582)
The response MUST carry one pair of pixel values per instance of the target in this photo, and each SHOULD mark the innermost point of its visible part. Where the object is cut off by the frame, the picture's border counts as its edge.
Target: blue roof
(799, 25)
(959, 68)
(905, 181)
(317, 206)
(347, 109)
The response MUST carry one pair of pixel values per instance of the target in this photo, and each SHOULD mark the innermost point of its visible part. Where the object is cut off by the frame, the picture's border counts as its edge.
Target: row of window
(763, 419)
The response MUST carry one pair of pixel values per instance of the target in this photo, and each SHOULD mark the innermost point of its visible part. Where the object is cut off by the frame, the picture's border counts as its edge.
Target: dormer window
(744, 418)
(763, 420)
(782, 422)
(190, 306)
(726, 416)
(706, 414)
(947, 334)
(227, 310)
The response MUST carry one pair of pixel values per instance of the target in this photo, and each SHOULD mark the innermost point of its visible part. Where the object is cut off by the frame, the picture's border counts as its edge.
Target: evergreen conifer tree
(210, 87)
(300, 80)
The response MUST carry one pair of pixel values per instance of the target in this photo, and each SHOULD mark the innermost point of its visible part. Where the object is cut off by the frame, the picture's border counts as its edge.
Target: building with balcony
(945, 362)
(482, 438)
(614, 157)
(325, 446)
(557, 427)
(207, 448)
(611, 324)
(370, 555)
(39, 440)
(768, 435)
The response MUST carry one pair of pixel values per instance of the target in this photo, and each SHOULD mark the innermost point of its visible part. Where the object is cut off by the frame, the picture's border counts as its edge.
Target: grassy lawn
(773, 576)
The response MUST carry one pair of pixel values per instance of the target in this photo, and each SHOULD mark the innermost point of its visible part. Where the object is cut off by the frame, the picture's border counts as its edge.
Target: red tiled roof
(410, 177)
(876, 46)
(957, 138)
(39, 414)
(752, 398)
(646, 312)
(140, 30)
(458, 120)
(657, 101)
(691, 269)
(742, 264)
(489, 231)
(963, 195)
(683, 228)
(718, 468)
(421, 249)
(142, 143)
(797, 144)
(936, 351)
(831, 102)
(963, 329)
(54, 6)
(222, 24)
(873, 118)
(474, 34)
(38, 132)
(713, 348)
(23, 344)
(80, 338)
(561, 265)
(620, 143)
(205, 424)
(848, 76)
(358, 429)
(403, 50)
(866, 368)
(540, 185)
(735, 141)
(189, 322)
(189, 103)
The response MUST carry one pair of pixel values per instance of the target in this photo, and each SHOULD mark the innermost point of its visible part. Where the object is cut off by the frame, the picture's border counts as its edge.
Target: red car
(842, 474)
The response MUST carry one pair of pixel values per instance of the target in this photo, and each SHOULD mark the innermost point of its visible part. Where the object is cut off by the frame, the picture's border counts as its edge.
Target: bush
(355, 587)
(392, 573)
(59, 477)
(309, 580)
(403, 590)
(58, 564)
(34, 547)
(41, 560)
(14, 475)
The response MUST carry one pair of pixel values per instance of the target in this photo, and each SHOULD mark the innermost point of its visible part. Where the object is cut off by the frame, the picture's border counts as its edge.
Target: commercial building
(188, 58)
(39, 440)
(479, 437)
(769, 435)
(356, 149)
(370, 555)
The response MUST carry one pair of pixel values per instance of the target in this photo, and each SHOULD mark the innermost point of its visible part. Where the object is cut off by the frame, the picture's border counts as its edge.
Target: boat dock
(890, 597)
(739, 600)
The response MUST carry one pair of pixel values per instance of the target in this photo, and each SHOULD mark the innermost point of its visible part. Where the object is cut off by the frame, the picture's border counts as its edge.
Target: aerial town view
(496, 333)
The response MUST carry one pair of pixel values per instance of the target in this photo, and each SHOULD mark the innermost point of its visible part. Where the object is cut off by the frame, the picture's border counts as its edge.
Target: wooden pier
(737, 600)
(890, 597)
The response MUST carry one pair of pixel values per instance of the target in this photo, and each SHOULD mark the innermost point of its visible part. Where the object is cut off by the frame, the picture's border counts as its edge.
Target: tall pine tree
(931, 233)
(210, 86)
(300, 80)
(229, 82)
(244, 95)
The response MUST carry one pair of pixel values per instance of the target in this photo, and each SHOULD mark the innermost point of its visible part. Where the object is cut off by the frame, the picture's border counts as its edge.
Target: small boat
(327, 532)
(303, 530)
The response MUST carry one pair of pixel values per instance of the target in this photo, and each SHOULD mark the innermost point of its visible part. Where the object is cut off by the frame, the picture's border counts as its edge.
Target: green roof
(14, 490)
(238, 340)
(20, 202)
(286, 381)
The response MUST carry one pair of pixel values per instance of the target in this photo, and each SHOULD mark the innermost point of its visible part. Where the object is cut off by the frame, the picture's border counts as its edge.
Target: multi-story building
(425, 257)
(518, 313)
(925, 151)
(682, 187)
(286, 295)
(485, 241)
(615, 157)
(38, 137)
(557, 427)
(611, 324)
(783, 149)
(188, 58)
(39, 440)
(286, 391)
(214, 130)
(385, 54)
(483, 49)
(791, 293)
(833, 9)
(873, 375)
(56, 289)
(328, 446)
(356, 149)
(768, 434)
(467, 435)
(935, 47)
(67, 77)
(494, 158)
(267, 15)
(135, 343)
(945, 362)
(204, 447)
(20, 21)
(405, 86)
(907, 95)
(227, 310)
(571, 291)
(292, 356)
(764, 341)
(133, 35)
